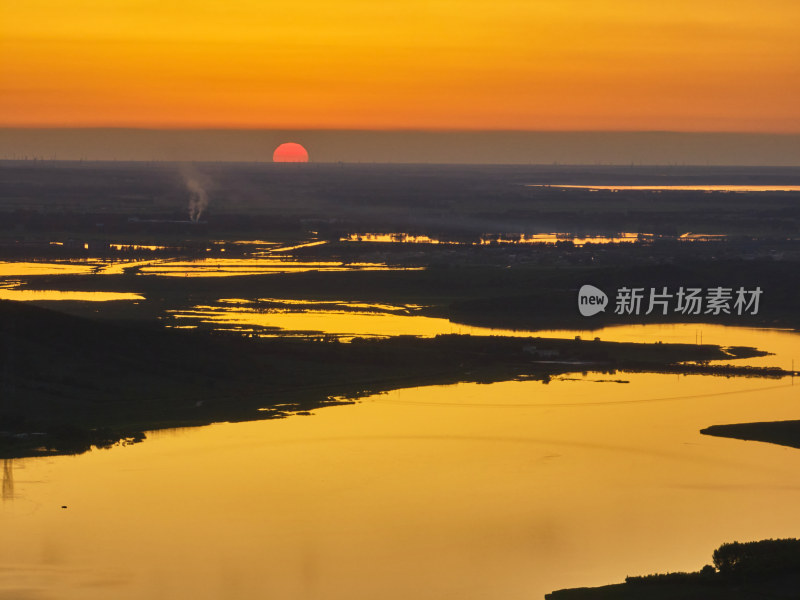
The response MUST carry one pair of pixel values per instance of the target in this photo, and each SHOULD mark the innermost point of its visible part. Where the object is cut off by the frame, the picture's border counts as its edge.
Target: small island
(784, 433)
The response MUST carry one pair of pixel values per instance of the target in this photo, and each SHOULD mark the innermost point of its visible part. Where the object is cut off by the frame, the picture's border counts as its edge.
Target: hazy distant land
(74, 212)
(478, 275)
(407, 146)
(99, 380)
(453, 245)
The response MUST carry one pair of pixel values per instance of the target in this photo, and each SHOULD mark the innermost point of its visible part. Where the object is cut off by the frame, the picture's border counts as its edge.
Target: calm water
(303, 316)
(213, 267)
(207, 267)
(683, 188)
(502, 491)
(264, 257)
(55, 295)
(536, 238)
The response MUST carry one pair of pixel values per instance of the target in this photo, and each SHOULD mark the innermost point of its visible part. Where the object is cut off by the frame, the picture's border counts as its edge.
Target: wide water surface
(503, 491)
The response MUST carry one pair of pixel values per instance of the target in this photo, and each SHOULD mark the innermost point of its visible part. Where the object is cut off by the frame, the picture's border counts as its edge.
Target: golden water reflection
(536, 238)
(577, 240)
(8, 479)
(289, 302)
(261, 263)
(507, 490)
(782, 344)
(59, 295)
(343, 323)
(283, 316)
(19, 269)
(681, 188)
(403, 238)
(219, 267)
(298, 246)
(132, 247)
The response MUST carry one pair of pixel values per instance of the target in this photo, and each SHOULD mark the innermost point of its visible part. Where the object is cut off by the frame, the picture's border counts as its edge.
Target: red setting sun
(290, 152)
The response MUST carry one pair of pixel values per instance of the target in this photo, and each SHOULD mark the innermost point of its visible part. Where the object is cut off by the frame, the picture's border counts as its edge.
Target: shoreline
(78, 382)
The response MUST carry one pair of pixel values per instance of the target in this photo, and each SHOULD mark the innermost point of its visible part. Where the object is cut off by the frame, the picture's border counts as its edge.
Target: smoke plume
(198, 197)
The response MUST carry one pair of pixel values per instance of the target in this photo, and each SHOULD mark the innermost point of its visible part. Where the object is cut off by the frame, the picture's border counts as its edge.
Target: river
(503, 491)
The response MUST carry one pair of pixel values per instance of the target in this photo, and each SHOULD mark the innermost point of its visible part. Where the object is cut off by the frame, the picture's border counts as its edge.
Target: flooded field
(342, 319)
(349, 319)
(56, 295)
(22, 268)
(536, 238)
(507, 491)
(261, 263)
(532, 239)
(543, 479)
(782, 344)
(682, 188)
(249, 266)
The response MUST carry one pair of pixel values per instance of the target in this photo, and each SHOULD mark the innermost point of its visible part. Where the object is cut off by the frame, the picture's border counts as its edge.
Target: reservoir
(471, 491)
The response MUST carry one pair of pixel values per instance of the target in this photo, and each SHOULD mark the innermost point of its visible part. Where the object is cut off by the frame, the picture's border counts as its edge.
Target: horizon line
(301, 165)
(391, 130)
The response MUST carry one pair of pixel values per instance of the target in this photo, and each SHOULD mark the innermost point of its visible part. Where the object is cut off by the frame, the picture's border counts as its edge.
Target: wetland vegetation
(77, 374)
(768, 569)
(303, 235)
(71, 382)
(129, 222)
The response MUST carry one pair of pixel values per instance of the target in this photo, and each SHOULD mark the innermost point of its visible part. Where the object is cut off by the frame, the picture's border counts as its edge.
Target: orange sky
(691, 65)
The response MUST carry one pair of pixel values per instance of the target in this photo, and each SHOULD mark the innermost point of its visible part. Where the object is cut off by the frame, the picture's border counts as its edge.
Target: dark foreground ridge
(68, 383)
(784, 433)
(768, 570)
